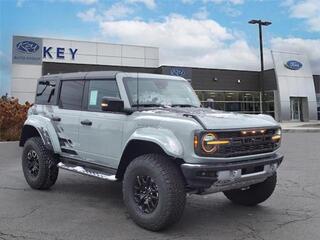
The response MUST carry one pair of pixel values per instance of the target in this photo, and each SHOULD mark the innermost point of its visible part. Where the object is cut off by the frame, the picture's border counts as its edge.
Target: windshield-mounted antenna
(138, 91)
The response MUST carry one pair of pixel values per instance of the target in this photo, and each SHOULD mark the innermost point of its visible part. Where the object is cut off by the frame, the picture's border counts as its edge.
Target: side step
(87, 171)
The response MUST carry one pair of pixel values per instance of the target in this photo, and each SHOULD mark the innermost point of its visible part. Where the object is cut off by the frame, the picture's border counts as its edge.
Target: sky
(198, 33)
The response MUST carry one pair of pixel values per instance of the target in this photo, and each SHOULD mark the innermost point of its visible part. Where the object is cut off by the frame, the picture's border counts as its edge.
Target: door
(295, 108)
(66, 116)
(100, 133)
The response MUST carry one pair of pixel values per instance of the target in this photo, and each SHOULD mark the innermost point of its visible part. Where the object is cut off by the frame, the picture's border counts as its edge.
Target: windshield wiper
(182, 105)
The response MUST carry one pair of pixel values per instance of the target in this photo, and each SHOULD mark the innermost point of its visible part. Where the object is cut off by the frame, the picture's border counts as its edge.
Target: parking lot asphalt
(80, 207)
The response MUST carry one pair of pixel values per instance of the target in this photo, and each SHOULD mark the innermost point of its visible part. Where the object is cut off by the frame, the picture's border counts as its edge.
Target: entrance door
(296, 108)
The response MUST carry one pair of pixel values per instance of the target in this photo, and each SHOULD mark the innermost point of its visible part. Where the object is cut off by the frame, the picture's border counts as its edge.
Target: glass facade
(237, 101)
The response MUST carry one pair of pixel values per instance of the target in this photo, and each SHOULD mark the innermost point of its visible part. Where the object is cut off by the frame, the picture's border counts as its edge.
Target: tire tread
(50, 171)
(256, 194)
(176, 198)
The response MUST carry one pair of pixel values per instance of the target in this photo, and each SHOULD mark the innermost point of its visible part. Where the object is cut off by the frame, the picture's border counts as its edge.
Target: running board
(87, 171)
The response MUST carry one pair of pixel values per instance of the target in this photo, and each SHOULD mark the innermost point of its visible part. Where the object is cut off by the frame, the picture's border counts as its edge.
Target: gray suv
(150, 132)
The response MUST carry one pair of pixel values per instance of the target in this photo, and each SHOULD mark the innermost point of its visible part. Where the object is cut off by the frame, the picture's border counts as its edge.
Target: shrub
(12, 117)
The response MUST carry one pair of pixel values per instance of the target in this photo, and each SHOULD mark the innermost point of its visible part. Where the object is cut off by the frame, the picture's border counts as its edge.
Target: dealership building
(290, 91)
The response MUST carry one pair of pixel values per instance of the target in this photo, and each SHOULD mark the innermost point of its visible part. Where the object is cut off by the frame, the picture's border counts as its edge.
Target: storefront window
(237, 101)
(269, 96)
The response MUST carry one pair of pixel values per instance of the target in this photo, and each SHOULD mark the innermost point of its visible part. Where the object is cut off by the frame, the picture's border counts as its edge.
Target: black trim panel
(69, 151)
(196, 180)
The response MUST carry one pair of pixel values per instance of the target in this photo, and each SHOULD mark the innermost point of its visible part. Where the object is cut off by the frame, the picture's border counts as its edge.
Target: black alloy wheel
(39, 164)
(154, 191)
(146, 194)
(33, 163)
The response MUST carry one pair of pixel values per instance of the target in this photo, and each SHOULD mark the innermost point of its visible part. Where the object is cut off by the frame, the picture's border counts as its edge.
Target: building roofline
(87, 41)
(217, 69)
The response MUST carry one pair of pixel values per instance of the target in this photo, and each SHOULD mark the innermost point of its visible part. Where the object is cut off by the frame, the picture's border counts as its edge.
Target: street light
(261, 23)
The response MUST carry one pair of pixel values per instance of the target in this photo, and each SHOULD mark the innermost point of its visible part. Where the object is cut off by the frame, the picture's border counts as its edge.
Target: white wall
(294, 83)
(24, 76)
(24, 81)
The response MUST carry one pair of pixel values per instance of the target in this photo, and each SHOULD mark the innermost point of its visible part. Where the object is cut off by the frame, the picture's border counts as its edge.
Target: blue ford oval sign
(177, 72)
(293, 65)
(27, 47)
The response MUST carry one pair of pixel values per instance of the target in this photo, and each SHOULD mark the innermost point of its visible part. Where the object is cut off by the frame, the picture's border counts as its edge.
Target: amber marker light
(195, 141)
(104, 104)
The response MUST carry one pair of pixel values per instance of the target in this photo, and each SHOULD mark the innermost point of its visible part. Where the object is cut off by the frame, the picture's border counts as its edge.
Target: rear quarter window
(46, 92)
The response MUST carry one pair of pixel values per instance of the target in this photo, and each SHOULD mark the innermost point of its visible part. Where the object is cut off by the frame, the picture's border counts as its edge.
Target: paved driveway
(80, 207)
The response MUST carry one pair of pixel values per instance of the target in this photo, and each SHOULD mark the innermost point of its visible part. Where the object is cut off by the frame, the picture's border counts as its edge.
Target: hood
(213, 119)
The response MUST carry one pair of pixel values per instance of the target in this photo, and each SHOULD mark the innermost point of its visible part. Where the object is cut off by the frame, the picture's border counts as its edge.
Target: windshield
(160, 92)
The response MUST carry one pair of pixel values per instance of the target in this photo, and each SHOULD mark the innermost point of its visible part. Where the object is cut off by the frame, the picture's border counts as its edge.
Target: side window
(71, 95)
(99, 89)
(45, 92)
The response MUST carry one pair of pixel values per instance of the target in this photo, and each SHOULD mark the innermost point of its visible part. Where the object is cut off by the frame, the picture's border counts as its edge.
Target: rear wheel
(255, 194)
(154, 191)
(38, 164)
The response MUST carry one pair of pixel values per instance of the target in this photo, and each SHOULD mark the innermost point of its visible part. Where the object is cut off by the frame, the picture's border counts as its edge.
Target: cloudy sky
(202, 33)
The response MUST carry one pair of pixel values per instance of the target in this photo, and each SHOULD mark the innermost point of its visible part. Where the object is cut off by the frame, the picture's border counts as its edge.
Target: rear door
(100, 133)
(66, 116)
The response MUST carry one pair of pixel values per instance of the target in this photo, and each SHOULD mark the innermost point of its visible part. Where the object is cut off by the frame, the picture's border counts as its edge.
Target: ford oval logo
(177, 72)
(27, 47)
(293, 65)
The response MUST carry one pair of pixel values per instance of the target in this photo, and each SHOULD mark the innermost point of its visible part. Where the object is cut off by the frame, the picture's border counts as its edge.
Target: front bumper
(217, 177)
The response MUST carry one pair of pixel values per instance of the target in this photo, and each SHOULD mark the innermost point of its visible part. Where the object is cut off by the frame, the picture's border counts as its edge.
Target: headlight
(210, 143)
(277, 135)
(206, 143)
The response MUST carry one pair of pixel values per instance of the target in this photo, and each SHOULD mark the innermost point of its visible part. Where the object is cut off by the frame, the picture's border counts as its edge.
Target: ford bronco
(150, 132)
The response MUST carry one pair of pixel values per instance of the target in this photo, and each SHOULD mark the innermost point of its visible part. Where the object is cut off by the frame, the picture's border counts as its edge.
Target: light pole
(261, 23)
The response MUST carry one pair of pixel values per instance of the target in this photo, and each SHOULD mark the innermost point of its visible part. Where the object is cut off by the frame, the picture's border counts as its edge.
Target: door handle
(86, 122)
(56, 119)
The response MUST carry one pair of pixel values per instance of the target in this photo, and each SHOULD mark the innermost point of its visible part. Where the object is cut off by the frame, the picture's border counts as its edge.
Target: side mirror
(110, 104)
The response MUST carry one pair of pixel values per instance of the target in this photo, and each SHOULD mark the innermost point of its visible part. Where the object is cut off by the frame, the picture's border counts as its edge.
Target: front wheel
(255, 194)
(154, 191)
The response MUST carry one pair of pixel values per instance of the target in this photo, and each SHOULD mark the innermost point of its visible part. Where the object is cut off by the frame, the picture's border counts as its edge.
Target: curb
(301, 130)
(9, 142)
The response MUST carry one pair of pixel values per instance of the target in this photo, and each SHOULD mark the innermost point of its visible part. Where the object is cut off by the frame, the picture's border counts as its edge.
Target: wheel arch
(41, 127)
(27, 132)
(138, 147)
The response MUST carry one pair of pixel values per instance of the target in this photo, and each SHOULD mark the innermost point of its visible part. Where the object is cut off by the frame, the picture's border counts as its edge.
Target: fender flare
(162, 137)
(46, 131)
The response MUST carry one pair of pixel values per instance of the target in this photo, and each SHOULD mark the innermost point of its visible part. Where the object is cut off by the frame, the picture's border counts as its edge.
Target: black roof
(81, 75)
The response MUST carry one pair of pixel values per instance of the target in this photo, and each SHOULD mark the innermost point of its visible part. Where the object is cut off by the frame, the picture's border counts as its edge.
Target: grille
(247, 145)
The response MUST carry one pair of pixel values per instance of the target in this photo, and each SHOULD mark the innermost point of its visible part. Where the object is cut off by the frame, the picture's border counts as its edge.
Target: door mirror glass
(111, 104)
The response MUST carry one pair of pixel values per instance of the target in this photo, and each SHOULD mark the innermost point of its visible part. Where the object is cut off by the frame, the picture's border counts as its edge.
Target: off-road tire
(48, 170)
(171, 188)
(254, 195)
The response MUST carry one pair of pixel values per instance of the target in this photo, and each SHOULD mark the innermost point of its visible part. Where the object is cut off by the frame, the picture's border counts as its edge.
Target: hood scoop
(195, 117)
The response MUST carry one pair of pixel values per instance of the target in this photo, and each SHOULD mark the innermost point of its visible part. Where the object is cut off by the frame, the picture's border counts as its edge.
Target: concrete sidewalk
(312, 126)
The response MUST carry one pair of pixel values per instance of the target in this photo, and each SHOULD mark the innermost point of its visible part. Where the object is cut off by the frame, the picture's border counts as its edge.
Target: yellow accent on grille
(218, 142)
